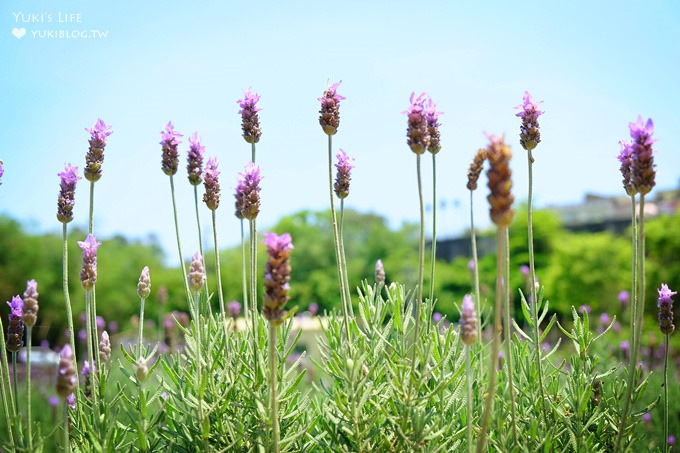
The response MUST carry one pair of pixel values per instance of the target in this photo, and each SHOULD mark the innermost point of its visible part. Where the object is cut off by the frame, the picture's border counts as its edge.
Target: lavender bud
(277, 275)
(66, 374)
(195, 160)
(196, 273)
(67, 190)
(417, 136)
(31, 303)
(665, 305)
(343, 176)
(499, 181)
(105, 348)
(142, 370)
(329, 118)
(211, 182)
(88, 275)
(250, 121)
(86, 372)
(529, 135)
(379, 273)
(144, 285)
(468, 321)
(95, 155)
(642, 159)
(476, 168)
(169, 143)
(247, 193)
(432, 118)
(15, 329)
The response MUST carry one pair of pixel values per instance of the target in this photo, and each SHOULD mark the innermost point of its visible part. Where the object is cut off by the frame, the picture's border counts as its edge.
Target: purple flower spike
(66, 374)
(642, 171)
(144, 284)
(195, 160)
(584, 309)
(624, 298)
(277, 275)
(169, 143)
(417, 136)
(88, 275)
(87, 371)
(529, 135)
(67, 193)
(15, 329)
(468, 321)
(250, 121)
(211, 182)
(31, 303)
(665, 305)
(196, 273)
(234, 308)
(432, 117)
(248, 193)
(343, 176)
(329, 118)
(94, 159)
(626, 160)
(379, 273)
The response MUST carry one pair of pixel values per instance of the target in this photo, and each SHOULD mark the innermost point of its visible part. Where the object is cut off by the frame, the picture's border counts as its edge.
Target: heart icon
(18, 32)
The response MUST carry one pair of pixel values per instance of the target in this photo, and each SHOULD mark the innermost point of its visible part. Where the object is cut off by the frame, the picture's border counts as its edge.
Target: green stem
(336, 240)
(6, 389)
(475, 273)
(468, 372)
(273, 394)
(199, 368)
(434, 227)
(634, 292)
(217, 270)
(200, 238)
(15, 387)
(343, 260)
(90, 348)
(244, 277)
(533, 297)
(665, 396)
(29, 330)
(92, 332)
(421, 266)
(67, 300)
(179, 243)
(67, 441)
(509, 336)
(495, 342)
(253, 297)
(141, 328)
(252, 152)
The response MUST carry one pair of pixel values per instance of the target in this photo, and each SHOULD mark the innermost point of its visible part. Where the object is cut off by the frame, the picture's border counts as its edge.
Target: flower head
(343, 177)
(95, 155)
(169, 143)
(250, 121)
(626, 160)
(86, 372)
(66, 374)
(432, 118)
(468, 321)
(476, 168)
(379, 272)
(417, 136)
(15, 329)
(234, 308)
(144, 284)
(247, 193)
(665, 305)
(88, 274)
(31, 303)
(277, 275)
(105, 348)
(196, 273)
(330, 109)
(499, 181)
(142, 369)
(642, 171)
(2, 171)
(67, 191)
(211, 182)
(624, 297)
(529, 135)
(195, 160)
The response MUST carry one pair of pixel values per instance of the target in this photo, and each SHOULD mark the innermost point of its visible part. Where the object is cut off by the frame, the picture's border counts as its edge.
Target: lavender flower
(476, 168)
(234, 308)
(343, 177)
(195, 160)
(277, 275)
(88, 275)
(95, 155)
(15, 329)
(2, 171)
(499, 181)
(66, 374)
(417, 136)
(211, 182)
(67, 190)
(642, 159)
(31, 303)
(86, 372)
(468, 321)
(313, 308)
(529, 135)
(105, 348)
(330, 109)
(604, 319)
(624, 297)
(626, 159)
(524, 270)
(665, 305)
(248, 193)
(170, 141)
(196, 273)
(250, 121)
(71, 400)
(432, 118)
(584, 309)
(379, 272)
(144, 284)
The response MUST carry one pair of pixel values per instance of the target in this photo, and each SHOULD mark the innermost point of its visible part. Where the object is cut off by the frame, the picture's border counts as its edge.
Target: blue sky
(597, 66)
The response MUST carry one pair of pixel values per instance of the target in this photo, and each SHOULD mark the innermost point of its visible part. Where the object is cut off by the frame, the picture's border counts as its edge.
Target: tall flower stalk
(665, 315)
(195, 175)
(276, 282)
(468, 334)
(88, 278)
(211, 198)
(196, 281)
(529, 137)
(6, 390)
(433, 146)
(169, 164)
(637, 169)
(30, 316)
(342, 179)
(66, 385)
(329, 119)
(500, 201)
(15, 340)
(65, 203)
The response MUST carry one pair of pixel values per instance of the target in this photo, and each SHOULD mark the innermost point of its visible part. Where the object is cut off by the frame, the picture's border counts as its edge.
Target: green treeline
(575, 268)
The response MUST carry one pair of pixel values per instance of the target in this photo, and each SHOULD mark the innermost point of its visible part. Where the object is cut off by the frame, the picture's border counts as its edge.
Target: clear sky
(136, 65)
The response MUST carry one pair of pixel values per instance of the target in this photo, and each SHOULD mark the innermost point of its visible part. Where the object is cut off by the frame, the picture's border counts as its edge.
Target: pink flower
(250, 121)
(88, 274)
(329, 118)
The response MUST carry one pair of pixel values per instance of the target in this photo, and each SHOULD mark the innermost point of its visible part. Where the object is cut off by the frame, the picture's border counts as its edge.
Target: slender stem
(199, 367)
(475, 273)
(141, 328)
(421, 266)
(67, 299)
(343, 260)
(218, 272)
(252, 152)
(434, 227)
(495, 342)
(509, 336)
(6, 388)
(253, 297)
(244, 277)
(273, 393)
(468, 372)
(67, 441)
(200, 238)
(15, 386)
(634, 291)
(336, 239)
(179, 243)
(92, 332)
(665, 395)
(90, 348)
(533, 297)
(29, 330)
